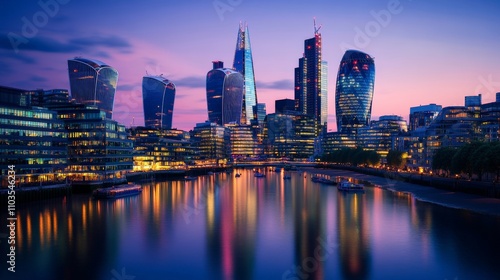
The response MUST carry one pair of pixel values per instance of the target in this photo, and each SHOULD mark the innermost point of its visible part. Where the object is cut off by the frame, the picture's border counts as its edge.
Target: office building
(32, 139)
(158, 96)
(209, 141)
(93, 82)
(422, 116)
(243, 143)
(311, 83)
(243, 63)
(354, 91)
(473, 101)
(225, 90)
(160, 149)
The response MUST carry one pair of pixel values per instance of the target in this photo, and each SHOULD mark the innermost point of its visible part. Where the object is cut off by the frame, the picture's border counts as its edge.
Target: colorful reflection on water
(223, 227)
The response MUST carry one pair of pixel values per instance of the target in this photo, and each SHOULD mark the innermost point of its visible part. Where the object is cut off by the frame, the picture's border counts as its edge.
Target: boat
(237, 175)
(210, 173)
(322, 180)
(189, 178)
(117, 191)
(259, 175)
(350, 187)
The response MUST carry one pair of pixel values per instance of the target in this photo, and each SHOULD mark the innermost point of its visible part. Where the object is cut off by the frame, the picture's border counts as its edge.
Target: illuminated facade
(380, 135)
(244, 144)
(32, 139)
(209, 141)
(98, 148)
(243, 63)
(422, 116)
(354, 91)
(490, 121)
(160, 149)
(311, 87)
(94, 83)
(289, 136)
(158, 94)
(224, 95)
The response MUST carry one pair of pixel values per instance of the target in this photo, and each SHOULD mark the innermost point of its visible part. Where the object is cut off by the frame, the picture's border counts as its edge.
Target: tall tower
(354, 91)
(158, 94)
(224, 94)
(93, 82)
(311, 83)
(243, 63)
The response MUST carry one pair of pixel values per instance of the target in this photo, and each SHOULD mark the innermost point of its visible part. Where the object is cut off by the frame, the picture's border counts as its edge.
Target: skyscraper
(224, 95)
(354, 91)
(310, 82)
(243, 63)
(158, 94)
(93, 82)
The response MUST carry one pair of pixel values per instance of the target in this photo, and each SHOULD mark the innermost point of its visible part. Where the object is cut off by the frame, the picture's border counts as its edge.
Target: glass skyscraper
(158, 94)
(311, 82)
(243, 63)
(354, 91)
(224, 95)
(93, 82)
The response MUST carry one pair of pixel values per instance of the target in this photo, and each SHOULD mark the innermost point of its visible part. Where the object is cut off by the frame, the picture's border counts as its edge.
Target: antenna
(316, 30)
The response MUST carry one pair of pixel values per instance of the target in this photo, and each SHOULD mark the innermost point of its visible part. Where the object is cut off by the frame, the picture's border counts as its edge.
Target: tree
(395, 159)
(442, 159)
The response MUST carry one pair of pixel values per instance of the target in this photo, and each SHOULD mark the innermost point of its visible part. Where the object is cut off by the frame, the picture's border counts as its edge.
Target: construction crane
(316, 30)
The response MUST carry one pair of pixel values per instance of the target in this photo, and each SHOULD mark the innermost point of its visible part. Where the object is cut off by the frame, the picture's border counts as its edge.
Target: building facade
(422, 116)
(160, 149)
(158, 96)
(225, 90)
(354, 91)
(93, 82)
(243, 63)
(311, 82)
(209, 141)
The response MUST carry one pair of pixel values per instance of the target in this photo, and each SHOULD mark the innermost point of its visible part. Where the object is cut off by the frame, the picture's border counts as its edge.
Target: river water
(222, 227)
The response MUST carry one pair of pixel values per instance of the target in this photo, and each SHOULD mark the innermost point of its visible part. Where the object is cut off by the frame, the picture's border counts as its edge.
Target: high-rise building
(158, 94)
(224, 94)
(422, 116)
(243, 63)
(209, 141)
(498, 97)
(93, 82)
(354, 91)
(310, 82)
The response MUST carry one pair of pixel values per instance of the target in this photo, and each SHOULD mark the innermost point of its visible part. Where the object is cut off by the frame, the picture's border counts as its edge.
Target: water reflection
(222, 227)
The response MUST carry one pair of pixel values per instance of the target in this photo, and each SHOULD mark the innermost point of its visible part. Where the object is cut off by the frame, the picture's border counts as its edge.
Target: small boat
(322, 180)
(350, 187)
(189, 178)
(117, 191)
(237, 175)
(259, 175)
(210, 173)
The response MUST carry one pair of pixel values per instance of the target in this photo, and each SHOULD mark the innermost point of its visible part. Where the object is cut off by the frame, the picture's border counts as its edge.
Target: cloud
(81, 44)
(280, 84)
(191, 82)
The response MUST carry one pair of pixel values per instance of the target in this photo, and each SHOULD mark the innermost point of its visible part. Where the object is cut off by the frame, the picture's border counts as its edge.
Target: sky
(425, 51)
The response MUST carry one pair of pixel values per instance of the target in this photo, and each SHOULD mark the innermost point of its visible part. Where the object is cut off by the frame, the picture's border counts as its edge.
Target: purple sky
(425, 52)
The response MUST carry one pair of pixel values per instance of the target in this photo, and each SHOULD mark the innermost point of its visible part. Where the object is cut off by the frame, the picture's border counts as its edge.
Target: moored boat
(350, 187)
(322, 180)
(189, 178)
(117, 191)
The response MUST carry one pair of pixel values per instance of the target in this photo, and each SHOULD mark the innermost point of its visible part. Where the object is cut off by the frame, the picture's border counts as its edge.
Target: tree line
(476, 158)
(352, 156)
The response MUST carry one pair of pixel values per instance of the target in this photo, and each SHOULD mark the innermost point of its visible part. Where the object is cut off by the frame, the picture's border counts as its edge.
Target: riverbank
(457, 200)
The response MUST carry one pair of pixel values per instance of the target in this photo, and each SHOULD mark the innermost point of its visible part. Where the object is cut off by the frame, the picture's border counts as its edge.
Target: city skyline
(450, 55)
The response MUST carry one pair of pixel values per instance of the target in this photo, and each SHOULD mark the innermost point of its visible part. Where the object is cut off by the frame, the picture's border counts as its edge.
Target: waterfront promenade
(458, 200)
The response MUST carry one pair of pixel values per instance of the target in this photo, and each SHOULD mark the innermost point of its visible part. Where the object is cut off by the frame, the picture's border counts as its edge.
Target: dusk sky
(425, 51)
